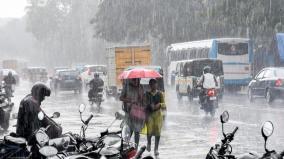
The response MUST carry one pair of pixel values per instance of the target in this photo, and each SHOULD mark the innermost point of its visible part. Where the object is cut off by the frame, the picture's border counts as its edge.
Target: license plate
(213, 98)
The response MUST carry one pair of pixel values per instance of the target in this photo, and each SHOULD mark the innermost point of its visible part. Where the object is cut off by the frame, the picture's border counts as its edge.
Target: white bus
(236, 54)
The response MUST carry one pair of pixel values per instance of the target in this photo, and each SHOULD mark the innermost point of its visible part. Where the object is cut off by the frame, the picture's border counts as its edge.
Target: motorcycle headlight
(41, 137)
(48, 151)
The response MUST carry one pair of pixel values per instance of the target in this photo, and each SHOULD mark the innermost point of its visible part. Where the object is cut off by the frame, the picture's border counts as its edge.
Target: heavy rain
(188, 79)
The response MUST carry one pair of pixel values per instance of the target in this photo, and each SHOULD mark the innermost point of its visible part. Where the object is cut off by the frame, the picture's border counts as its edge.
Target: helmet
(40, 91)
(96, 75)
(206, 69)
(10, 73)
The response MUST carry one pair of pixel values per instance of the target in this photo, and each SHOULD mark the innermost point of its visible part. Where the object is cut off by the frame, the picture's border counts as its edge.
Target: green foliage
(183, 20)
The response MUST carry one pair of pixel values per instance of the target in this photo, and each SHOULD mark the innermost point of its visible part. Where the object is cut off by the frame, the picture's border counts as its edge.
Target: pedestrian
(155, 104)
(132, 98)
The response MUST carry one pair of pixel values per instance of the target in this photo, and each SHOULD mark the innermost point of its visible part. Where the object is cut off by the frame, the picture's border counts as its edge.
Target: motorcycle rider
(207, 81)
(30, 106)
(9, 82)
(95, 84)
(28, 122)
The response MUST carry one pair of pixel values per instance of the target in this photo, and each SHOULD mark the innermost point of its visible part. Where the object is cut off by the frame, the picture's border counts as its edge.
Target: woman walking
(132, 98)
(155, 104)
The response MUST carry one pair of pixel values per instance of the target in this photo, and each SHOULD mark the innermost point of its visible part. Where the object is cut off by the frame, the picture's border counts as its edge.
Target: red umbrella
(139, 73)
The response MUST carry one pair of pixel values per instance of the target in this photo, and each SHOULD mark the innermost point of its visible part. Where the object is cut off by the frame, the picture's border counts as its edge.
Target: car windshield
(98, 69)
(69, 73)
(195, 68)
(280, 73)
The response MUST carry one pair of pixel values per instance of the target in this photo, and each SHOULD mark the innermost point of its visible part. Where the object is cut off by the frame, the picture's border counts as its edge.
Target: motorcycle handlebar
(116, 132)
(282, 154)
(89, 119)
(236, 129)
(140, 152)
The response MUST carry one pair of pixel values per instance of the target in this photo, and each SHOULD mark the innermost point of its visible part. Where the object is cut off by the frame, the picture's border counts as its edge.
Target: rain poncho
(154, 121)
(28, 121)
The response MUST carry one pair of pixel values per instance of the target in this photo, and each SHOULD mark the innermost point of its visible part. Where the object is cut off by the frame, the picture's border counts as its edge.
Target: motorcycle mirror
(224, 117)
(56, 115)
(82, 108)
(48, 151)
(40, 115)
(267, 129)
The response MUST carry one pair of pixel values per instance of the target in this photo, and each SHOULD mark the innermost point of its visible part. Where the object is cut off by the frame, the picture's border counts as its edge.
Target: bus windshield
(233, 49)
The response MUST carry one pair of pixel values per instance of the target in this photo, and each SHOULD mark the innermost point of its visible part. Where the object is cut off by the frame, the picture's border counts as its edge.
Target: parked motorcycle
(13, 146)
(6, 107)
(224, 150)
(209, 101)
(266, 131)
(96, 97)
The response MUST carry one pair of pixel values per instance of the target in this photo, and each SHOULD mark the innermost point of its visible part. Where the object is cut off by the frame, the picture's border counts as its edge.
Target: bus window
(233, 49)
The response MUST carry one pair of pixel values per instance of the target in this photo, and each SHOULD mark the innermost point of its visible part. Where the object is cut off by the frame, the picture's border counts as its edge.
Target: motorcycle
(266, 131)
(9, 90)
(96, 97)
(6, 107)
(224, 150)
(108, 145)
(210, 101)
(13, 146)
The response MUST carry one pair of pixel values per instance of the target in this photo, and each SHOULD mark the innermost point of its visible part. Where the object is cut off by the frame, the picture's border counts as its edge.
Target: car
(4, 73)
(88, 73)
(66, 80)
(268, 84)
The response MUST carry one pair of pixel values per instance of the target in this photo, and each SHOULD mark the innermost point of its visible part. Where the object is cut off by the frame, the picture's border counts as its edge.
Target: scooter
(266, 131)
(6, 107)
(210, 101)
(224, 150)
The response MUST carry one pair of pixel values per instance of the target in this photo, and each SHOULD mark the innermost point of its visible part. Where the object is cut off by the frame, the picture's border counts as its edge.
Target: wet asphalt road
(188, 133)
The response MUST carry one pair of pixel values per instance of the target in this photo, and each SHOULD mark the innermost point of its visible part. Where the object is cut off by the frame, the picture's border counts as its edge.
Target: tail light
(278, 83)
(211, 92)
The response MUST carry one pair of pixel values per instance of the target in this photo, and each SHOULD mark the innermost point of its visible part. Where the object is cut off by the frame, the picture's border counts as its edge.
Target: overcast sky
(12, 8)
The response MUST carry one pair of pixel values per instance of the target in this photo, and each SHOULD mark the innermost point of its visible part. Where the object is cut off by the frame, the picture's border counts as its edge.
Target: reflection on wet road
(188, 132)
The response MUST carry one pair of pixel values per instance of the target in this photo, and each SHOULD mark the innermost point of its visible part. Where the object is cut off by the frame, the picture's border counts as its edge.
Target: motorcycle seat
(15, 140)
